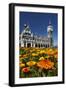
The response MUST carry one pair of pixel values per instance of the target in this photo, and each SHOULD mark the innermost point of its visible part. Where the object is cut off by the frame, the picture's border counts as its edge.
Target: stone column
(31, 44)
(34, 45)
(26, 44)
(22, 44)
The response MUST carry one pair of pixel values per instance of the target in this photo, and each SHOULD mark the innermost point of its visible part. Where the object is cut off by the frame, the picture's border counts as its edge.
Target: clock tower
(50, 33)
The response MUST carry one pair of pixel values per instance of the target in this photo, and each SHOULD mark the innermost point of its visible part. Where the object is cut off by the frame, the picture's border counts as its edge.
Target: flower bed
(38, 62)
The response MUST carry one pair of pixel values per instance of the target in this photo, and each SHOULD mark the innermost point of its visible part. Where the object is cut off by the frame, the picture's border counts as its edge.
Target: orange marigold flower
(46, 64)
(50, 53)
(25, 70)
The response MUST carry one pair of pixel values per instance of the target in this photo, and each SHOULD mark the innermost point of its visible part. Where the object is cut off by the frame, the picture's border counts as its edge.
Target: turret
(27, 29)
(50, 33)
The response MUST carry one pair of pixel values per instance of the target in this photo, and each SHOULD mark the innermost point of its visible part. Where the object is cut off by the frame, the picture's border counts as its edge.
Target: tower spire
(49, 22)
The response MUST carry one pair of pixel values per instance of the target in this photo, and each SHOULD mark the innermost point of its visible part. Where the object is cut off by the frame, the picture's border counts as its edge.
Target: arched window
(39, 45)
(46, 45)
(35, 45)
(29, 45)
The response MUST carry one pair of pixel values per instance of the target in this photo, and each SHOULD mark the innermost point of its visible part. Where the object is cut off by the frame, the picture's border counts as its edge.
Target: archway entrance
(29, 45)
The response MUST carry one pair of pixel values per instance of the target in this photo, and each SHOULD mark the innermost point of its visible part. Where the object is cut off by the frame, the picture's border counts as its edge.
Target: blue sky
(38, 23)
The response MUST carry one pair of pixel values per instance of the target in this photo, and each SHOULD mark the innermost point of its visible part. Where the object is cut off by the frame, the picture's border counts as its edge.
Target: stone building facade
(28, 39)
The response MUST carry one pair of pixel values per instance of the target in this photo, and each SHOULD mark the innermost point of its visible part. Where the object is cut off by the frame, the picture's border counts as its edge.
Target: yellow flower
(56, 56)
(21, 58)
(22, 65)
(47, 57)
(50, 53)
(42, 52)
(41, 58)
(50, 50)
(31, 63)
(34, 54)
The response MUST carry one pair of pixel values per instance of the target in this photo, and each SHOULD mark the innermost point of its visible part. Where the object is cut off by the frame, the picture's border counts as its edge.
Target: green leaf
(25, 60)
(22, 52)
(22, 74)
(43, 74)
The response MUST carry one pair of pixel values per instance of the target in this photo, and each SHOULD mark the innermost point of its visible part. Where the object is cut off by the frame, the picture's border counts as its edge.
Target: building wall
(28, 39)
(34, 42)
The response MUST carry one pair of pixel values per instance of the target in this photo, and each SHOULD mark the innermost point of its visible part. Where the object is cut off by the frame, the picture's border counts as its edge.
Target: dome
(26, 31)
(50, 27)
(25, 25)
